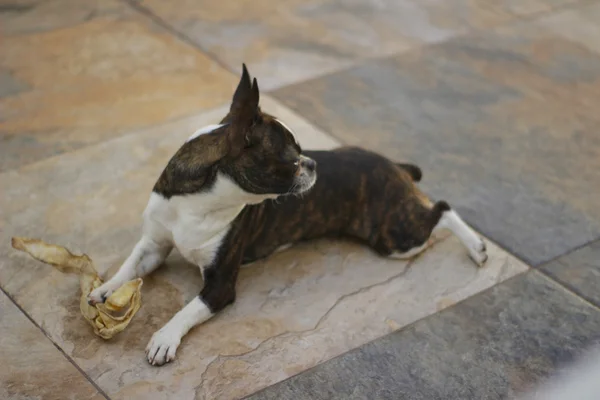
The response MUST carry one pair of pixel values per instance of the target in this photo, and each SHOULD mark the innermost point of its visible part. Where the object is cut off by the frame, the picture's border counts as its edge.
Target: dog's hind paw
(478, 252)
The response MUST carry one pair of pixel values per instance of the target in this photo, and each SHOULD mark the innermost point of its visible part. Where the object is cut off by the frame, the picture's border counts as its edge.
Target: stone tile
(529, 7)
(19, 17)
(504, 124)
(32, 368)
(492, 346)
(578, 379)
(9, 86)
(309, 136)
(294, 40)
(95, 78)
(579, 270)
(581, 24)
(298, 308)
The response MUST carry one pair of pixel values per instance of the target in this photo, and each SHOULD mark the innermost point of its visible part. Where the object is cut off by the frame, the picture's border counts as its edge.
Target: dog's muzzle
(306, 175)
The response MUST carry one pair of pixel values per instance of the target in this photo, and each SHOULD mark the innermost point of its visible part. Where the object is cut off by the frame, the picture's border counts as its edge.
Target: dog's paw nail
(478, 253)
(162, 348)
(481, 259)
(485, 258)
(483, 246)
(99, 295)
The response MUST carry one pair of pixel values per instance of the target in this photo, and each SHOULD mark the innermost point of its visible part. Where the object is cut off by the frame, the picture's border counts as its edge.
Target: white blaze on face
(289, 130)
(205, 130)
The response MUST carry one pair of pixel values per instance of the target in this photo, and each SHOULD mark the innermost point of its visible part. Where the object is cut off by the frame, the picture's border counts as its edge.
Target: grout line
(560, 8)
(165, 25)
(147, 12)
(566, 253)
(481, 293)
(94, 384)
(568, 288)
(394, 332)
(129, 132)
(520, 275)
(517, 19)
(139, 129)
(159, 21)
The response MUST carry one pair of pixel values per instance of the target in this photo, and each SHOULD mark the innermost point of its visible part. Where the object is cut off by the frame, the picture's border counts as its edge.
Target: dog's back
(359, 195)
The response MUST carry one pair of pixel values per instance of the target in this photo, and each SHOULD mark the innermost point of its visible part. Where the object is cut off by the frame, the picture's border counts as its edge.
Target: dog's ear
(244, 105)
(189, 166)
(243, 111)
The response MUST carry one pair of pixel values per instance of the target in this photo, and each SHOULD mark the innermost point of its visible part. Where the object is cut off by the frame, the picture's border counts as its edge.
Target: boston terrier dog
(237, 191)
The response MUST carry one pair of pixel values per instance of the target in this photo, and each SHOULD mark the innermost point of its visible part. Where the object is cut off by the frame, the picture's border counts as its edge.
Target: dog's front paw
(478, 252)
(101, 293)
(162, 347)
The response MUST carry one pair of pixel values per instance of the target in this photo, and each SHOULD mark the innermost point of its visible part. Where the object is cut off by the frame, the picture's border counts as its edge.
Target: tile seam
(566, 253)
(148, 13)
(397, 331)
(568, 288)
(516, 20)
(71, 361)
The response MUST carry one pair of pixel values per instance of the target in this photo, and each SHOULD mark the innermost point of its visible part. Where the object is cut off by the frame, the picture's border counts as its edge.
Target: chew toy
(107, 318)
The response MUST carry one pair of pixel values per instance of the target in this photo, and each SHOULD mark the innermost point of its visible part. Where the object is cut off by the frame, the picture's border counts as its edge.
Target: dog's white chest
(197, 223)
(196, 232)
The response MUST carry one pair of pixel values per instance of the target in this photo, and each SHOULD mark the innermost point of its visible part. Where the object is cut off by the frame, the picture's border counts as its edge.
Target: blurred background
(496, 100)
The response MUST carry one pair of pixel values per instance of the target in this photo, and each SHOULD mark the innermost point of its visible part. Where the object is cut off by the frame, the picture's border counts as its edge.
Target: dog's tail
(415, 172)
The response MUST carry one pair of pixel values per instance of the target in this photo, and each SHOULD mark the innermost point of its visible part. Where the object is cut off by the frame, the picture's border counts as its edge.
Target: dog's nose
(309, 164)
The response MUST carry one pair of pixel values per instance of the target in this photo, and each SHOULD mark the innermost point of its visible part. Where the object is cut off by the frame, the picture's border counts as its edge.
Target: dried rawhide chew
(108, 318)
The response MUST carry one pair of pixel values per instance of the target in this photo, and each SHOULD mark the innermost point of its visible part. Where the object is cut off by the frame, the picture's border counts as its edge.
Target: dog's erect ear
(242, 114)
(244, 105)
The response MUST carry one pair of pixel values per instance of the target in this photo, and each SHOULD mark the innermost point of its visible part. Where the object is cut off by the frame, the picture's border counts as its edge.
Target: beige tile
(324, 299)
(580, 24)
(33, 16)
(296, 309)
(529, 7)
(94, 79)
(309, 136)
(32, 368)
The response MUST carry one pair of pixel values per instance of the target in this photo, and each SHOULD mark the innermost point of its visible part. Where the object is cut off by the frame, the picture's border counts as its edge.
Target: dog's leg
(408, 243)
(475, 245)
(218, 293)
(147, 255)
(164, 343)
(411, 253)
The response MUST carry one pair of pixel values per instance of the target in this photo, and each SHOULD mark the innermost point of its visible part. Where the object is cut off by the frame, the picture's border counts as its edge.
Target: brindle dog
(237, 191)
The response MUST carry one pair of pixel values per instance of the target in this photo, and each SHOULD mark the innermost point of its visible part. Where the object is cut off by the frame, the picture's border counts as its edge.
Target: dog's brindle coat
(211, 203)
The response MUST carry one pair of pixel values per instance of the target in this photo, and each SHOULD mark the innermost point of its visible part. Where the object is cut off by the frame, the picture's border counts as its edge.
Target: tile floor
(495, 100)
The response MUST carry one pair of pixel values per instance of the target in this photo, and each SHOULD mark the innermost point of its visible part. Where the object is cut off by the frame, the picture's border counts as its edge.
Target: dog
(237, 191)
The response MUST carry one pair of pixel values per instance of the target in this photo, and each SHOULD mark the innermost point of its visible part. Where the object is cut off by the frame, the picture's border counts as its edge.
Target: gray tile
(579, 270)
(503, 123)
(492, 346)
(289, 41)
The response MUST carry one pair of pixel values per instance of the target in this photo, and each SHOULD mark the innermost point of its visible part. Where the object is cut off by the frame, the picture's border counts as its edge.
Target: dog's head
(254, 149)
(264, 157)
